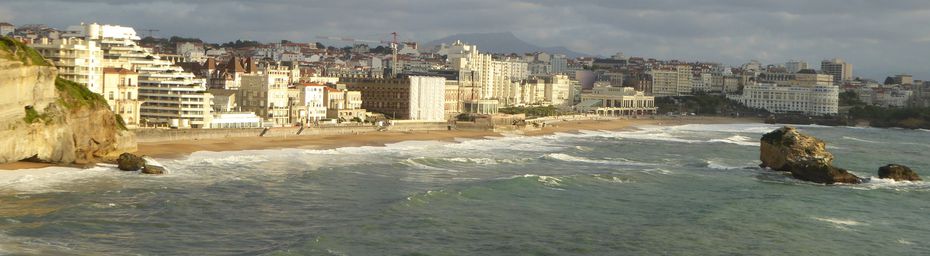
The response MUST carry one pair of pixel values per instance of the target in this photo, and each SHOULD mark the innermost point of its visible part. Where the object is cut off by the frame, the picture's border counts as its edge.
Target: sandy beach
(176, 149)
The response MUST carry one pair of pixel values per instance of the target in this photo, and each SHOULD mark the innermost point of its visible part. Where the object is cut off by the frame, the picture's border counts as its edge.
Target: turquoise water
(681, 190)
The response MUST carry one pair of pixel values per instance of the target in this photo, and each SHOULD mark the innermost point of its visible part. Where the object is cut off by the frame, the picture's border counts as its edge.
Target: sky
(879, 37)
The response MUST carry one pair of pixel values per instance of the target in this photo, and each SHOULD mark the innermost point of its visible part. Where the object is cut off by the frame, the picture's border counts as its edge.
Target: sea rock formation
(49, 119)
(153, 169)
(806, 157)
(898, 173)
(130, 162)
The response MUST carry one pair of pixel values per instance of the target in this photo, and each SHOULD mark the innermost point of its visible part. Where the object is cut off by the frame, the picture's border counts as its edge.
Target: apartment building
(671, 81)
(838, 68)
(76, 59)
(170, 95)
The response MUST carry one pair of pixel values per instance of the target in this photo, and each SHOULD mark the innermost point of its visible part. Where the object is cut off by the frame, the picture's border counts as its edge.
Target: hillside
(48, 119)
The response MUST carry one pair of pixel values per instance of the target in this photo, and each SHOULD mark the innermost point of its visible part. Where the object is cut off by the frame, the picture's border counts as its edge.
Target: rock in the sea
(806, 157)
(898, 173)
(153, 169)
(819, 172)
(130, 162)
(786, 145)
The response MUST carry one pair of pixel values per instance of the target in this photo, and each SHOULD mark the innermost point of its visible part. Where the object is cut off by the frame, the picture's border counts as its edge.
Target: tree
(320, 45)
(889, 80)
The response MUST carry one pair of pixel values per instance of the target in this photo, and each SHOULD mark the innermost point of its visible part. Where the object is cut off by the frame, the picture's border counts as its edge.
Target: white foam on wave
(728, 128)
(50, 179)
(570, 158)
(412, 162)
(738, 140)
(657, 134)
(873, 183)
(843, 224)
(657, 171)
(858, 139)
(716, 164)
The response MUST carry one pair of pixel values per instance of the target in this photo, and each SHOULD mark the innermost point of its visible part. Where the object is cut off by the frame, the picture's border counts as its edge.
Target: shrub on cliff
(15, 50)
(74, 95)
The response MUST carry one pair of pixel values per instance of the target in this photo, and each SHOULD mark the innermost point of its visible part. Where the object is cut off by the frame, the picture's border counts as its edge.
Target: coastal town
(184, 83)
(501, 127)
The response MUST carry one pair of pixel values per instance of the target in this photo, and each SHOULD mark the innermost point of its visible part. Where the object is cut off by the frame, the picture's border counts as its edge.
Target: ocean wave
(415, 163)
(729, 128)
(52, 179)
(659, 171)
(843, 224)
(570, 158)
(715, 164)
(656, 135)
(738, 140)
(876, 183)
(859, 140)
(611, 178)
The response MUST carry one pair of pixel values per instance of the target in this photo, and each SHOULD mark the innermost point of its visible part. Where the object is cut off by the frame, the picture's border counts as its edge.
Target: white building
(6, 29)
(171, 95)
(77, 60)
(427, 98)
(795, 65)
(311, 97)
(494, 78)
(236, 120)
(191, 52)
(885, 96)
(815, 100)
(617, 101)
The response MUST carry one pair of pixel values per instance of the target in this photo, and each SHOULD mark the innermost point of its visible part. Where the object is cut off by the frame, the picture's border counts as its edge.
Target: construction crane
(393, 43)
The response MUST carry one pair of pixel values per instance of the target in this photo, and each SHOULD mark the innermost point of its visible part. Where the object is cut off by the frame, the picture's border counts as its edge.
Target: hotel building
(411, 98)
(818, 100)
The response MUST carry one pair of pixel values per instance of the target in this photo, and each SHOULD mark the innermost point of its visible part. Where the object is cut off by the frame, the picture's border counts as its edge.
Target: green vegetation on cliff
(15, 50)
(704, 105)
(910, 117)
(33, 116)
(75, 95)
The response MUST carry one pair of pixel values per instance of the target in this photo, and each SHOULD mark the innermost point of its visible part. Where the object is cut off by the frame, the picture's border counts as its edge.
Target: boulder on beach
(898, 173)
(130, 162)
(806, 157)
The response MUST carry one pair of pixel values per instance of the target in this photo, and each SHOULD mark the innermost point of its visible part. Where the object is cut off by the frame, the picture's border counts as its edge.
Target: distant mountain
(505, 42)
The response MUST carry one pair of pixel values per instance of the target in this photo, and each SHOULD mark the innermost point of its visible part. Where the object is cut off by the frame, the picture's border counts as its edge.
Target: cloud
(879, 37)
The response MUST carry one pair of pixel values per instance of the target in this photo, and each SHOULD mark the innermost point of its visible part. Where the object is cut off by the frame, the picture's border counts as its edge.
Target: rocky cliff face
(44, 118)
(804, 156)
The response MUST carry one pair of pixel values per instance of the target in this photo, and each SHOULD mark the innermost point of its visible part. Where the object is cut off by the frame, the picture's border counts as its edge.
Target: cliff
(48, 119)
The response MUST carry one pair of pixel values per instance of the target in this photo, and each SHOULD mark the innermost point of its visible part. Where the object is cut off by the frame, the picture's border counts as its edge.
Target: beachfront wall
(162, 135)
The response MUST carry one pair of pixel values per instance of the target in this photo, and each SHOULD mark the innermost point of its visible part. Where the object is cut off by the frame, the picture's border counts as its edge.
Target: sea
(656, 190)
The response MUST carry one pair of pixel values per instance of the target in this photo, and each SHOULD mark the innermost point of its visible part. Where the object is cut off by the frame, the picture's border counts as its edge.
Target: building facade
(411, 98)
(617, 101)
(671, 81)
(76, 59)
(819, 100)
(121, 90)
(838, 68)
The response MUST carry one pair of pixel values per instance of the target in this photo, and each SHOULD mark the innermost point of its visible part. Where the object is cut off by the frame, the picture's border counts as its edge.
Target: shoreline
(180, 149)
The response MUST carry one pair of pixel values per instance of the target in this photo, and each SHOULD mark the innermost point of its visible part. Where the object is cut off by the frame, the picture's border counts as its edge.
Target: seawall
(162, 135)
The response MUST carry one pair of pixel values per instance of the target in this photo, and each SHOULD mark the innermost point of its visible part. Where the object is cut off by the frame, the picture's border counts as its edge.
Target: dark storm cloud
(879, 37)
